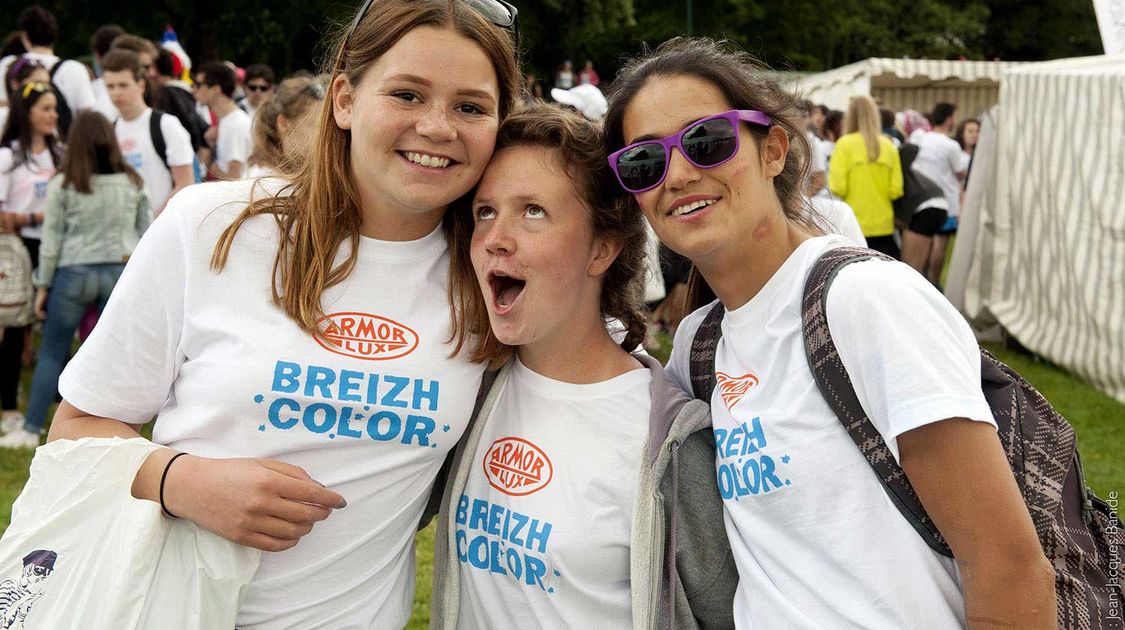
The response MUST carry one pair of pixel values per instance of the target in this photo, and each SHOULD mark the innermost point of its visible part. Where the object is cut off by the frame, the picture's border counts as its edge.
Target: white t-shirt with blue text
(543, 528)
(370, 410)
(23, 188)
(135, 138)
(817, 541)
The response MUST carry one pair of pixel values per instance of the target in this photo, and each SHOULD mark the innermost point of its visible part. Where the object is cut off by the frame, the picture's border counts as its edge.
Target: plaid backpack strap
(701, 361)
(836, 386)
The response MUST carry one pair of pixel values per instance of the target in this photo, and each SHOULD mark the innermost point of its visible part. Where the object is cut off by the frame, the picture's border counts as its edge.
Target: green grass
(1098, 419)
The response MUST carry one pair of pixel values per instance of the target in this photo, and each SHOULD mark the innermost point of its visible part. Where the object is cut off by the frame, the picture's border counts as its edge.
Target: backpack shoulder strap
(836, 386)
(157, 135)
(701, 361)
(55, 69)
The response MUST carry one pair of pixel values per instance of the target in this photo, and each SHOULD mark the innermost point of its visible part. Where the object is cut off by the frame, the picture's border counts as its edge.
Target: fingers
(309, 492)
(295, 512)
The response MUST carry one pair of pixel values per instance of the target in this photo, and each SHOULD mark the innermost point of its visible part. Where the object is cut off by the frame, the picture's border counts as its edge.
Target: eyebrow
(522, 199)
(654, 136)
(469, 92)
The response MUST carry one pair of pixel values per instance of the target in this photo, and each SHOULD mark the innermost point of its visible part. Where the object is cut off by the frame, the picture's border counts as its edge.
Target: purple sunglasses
(706, 143)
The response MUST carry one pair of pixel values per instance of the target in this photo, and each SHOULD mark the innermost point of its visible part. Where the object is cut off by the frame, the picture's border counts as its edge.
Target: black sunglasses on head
(501, 13)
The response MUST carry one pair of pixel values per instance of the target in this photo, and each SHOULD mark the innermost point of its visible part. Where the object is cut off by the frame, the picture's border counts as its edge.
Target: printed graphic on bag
(517, 467)
(733, 388)
(366, 336)
(18, 596)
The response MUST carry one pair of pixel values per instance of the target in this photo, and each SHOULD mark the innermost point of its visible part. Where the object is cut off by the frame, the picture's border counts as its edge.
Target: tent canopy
(900, 84)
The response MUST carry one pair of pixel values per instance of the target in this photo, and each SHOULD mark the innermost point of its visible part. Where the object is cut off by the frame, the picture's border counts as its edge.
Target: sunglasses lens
(710, 142)
(641, 167)
(494, 12)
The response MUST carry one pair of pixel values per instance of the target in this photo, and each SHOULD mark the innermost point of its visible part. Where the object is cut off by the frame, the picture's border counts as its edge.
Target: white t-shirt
(135, 139)
(72, 79)
(543, 529)
(817, 541)
(370, 412)
(939, 158)
(24, 188)
(235, 142)
(102, 103)
(840, 218)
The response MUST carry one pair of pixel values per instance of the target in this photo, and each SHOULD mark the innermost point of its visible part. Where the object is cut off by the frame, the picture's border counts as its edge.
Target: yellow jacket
(868, 187)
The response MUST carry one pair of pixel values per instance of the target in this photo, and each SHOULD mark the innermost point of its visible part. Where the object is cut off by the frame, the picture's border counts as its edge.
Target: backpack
(63, 108)
(16, 292)
(1078, 531)
(156, 134)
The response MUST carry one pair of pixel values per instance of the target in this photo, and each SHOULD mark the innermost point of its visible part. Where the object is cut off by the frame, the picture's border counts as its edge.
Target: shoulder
(872, 291)
(218, 203)
(170, 124)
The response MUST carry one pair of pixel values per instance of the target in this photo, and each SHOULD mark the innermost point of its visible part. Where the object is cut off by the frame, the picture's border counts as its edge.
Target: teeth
(692, 207)
(427, 160)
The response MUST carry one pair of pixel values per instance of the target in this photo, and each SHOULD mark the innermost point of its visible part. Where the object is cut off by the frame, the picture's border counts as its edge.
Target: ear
(342, 101)
(775, 147)
(602, 255)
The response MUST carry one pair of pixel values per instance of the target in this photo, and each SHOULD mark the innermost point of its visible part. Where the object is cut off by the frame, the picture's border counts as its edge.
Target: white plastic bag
(82, 553)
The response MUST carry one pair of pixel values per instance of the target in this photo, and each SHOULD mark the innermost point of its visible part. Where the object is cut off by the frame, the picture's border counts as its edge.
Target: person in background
(282, 127)
(887, 120)
(833, 129)
(564, 78)
(95, 213)
(966, 135)
(587, 75)
(100, 43)
(29, 156)
(174, 96)
(71, 79)
(163, 175)
(817, 161)
(866, 173)
(21, 72)
(259, 85)
(913, 124)
(232, 142)
(940, 159)
(146, 51)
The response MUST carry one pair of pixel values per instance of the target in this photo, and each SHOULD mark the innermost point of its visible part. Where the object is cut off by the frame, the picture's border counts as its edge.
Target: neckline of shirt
(552, 388)
(430, 245)
(752, 311)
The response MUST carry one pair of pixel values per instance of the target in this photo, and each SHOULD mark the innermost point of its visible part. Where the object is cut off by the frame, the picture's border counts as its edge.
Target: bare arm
(959, 471)
(259, 503)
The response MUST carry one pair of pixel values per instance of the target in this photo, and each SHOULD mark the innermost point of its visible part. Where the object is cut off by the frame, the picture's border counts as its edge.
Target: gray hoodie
(677, 508)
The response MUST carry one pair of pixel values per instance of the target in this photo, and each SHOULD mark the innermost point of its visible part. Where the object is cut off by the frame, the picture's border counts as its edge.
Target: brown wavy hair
(746, 84)
(319, 209)
(581, 147)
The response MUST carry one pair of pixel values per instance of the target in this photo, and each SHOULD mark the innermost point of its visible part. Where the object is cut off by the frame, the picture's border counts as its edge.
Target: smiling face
(43, 115)
(697, 211)
(423, 123)
(536, 258)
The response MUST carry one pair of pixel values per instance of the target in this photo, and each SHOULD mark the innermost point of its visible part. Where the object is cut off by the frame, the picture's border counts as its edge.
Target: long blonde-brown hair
(319, 209)
(294, 96)
(863, 116)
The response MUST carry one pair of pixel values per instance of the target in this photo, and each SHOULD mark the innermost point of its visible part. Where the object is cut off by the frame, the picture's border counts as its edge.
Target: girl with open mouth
(583, 495)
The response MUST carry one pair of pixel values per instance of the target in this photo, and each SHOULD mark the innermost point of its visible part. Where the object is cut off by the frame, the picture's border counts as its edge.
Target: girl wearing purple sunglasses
(714, 155)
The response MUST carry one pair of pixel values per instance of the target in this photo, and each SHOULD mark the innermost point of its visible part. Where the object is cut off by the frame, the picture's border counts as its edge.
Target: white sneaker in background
(10, 421)
(20, 438)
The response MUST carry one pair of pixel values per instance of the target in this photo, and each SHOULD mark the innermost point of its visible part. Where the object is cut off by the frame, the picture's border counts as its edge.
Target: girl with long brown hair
(292, 336)
(95, 213)
(713, 153)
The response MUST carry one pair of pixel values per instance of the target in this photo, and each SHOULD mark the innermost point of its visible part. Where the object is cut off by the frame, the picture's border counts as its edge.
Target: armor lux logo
(365, 336)
(733, 388)
(517, 467)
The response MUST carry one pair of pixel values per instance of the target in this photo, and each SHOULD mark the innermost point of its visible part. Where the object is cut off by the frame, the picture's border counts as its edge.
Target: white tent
(900, 84)
(1042, 244)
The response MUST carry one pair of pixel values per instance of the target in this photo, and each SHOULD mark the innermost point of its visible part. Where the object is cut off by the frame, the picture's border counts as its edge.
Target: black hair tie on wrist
(163, 478)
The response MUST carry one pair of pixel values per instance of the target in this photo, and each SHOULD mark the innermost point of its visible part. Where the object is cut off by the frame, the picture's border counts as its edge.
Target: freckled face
(739, 192)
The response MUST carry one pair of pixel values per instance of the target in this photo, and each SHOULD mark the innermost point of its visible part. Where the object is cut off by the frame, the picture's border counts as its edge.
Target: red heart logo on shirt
(733, 388)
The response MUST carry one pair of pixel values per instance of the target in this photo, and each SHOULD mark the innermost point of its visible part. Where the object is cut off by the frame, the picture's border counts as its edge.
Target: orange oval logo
(365, 336)
(517, 467)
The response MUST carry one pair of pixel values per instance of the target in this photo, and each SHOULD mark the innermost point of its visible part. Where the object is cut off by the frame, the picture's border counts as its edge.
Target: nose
(498, 237)
(681, 172)
(436, 125)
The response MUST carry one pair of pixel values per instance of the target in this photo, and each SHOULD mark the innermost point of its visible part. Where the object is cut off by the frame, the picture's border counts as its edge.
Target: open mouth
(505, 290)
(436, 162)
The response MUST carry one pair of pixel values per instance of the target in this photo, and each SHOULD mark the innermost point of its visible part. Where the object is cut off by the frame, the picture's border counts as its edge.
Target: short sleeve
(74, 82)
(5, 174)
(911, 356)
(956, 157)
(177, 141)
(235, 144)
(126, 368)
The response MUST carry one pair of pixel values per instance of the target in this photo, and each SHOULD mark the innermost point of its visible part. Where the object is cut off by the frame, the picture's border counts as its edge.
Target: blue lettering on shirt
(491, 537)
(741, 467)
